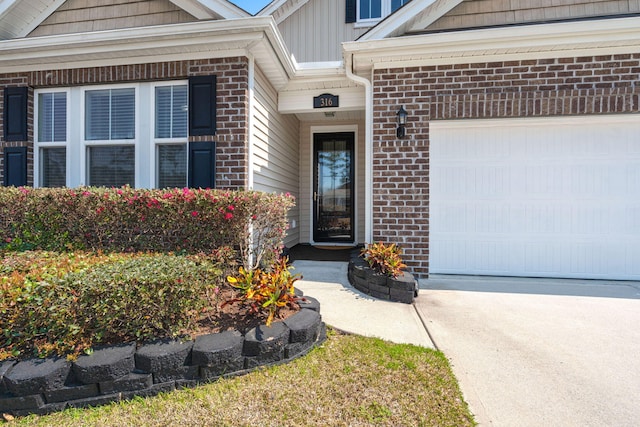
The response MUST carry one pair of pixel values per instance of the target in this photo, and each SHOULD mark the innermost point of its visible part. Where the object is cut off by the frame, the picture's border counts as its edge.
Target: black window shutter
(202, 105)
(15, 166)
(350, 11)
(15, 113)
(202, 164)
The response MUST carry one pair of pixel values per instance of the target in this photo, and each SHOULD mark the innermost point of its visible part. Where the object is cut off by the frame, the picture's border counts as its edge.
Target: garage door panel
(548, 198)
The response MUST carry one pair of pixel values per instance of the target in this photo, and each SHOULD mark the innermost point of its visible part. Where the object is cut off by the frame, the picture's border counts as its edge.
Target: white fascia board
(394, 21)
(194, 8)
(435, 11)
(225, 8)
(5, 6)
(580, 38)
(278, 47)
(207, 9)
(285, 7)
(147, 44)
(270, 8)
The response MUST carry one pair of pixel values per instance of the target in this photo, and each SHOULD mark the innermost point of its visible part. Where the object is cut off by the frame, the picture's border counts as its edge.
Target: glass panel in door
(333, 187)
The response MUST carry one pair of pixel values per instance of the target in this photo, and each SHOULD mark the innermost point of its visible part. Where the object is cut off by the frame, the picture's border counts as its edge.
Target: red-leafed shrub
(130, 220)
(384, 259)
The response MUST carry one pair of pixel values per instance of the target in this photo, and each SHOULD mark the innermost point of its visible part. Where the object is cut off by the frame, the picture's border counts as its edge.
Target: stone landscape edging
(403, 288)
(121, 372)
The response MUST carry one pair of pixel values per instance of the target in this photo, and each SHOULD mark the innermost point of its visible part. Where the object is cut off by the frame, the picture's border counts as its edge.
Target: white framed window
(51, 137)
(170, 133)
(370, 12)
(112, 135)
(109, 135)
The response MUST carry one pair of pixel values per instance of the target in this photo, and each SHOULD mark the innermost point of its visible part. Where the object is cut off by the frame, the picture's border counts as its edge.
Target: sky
(251, 6)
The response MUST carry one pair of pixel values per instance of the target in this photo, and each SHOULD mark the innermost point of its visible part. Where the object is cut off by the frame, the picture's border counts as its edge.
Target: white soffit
(316, 78)
(19, 17)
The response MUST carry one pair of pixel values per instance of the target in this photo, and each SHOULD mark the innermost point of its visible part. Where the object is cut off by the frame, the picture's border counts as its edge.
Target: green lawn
(349, 381)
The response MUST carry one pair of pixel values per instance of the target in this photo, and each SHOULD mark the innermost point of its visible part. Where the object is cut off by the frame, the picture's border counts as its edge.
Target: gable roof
(281, 9)
(417, 14)
(19, 17)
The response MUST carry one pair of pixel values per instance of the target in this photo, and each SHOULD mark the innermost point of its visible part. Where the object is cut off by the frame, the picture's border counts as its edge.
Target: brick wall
(232, 104)
(528, 88)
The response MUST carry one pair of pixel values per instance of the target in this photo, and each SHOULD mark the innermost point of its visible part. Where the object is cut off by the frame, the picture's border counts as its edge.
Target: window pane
(53, 166)
(172, 166)
(52, 117)
(171, 111)
(112, 166)
(110, 114)
(123, 113)
(163, 112)
(370, 9)
(395, 4)
(180, 112)
(376, 8)
(97, 115)
(60, 117)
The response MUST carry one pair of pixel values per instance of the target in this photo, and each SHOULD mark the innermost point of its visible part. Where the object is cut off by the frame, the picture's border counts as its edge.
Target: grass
(349, 381)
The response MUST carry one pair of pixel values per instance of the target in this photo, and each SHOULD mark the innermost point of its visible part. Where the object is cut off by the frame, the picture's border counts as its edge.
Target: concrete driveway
(539, 352)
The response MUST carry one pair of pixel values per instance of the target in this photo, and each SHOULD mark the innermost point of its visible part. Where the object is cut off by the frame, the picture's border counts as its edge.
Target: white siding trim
(250, 122)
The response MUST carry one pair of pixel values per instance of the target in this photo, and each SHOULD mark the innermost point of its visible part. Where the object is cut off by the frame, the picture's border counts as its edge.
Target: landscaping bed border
(403, 288)
(122, 372)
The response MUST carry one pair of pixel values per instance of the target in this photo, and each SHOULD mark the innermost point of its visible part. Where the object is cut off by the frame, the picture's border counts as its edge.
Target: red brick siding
(232, 103)
(527, 88)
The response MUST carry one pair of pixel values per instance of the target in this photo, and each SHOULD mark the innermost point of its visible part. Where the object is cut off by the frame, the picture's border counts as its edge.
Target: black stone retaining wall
(121, 372)
(403, 288)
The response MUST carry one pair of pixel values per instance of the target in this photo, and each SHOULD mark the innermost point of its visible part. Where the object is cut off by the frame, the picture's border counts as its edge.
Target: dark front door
(333, 200)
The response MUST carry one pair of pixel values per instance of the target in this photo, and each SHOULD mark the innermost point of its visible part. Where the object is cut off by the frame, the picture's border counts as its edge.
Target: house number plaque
(326, 100)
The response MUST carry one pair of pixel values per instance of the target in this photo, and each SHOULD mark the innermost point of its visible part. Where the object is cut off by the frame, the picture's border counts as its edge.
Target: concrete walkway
(349, 310)
(526, 352)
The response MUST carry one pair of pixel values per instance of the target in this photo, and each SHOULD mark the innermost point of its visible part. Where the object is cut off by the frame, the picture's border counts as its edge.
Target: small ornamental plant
(384, 259)
(266, 292)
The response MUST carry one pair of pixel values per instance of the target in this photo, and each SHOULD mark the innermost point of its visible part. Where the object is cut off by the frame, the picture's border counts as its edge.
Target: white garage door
(536, 197)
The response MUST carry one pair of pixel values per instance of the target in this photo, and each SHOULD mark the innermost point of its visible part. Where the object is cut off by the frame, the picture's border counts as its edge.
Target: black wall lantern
(402, 121)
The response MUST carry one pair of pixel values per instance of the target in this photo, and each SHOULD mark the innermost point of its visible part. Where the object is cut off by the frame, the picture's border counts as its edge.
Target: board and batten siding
(275, 150)
(315, 32)
(306, 174)
(480, 13)
(76, 16)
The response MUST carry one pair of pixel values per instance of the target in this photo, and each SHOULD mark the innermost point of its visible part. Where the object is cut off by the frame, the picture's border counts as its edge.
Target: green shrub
(130, 220)
(56, 308)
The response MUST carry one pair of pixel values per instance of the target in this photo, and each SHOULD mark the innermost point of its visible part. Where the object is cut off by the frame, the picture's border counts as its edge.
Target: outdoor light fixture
(402, 121)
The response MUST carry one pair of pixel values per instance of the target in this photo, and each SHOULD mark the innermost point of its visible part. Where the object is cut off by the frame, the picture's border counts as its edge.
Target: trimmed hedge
(66, 303)
(132, 220)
